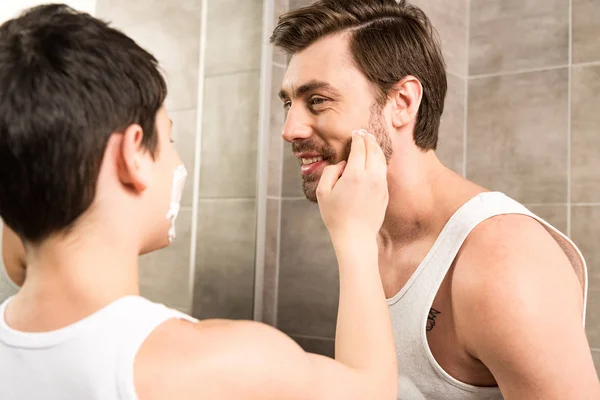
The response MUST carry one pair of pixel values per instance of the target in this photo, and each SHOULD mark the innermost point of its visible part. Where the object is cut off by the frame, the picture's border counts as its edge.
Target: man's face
(327, 98)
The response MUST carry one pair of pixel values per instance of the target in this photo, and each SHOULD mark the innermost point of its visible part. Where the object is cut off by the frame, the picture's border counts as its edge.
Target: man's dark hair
(68, 81)
(389, 41)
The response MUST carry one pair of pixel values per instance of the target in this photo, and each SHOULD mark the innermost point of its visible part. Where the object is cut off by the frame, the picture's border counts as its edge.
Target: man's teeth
(307, 161)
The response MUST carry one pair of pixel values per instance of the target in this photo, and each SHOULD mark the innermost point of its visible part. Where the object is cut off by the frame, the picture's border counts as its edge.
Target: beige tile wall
(532, 103)
(225, 240)
(225, 245)
(170, 31)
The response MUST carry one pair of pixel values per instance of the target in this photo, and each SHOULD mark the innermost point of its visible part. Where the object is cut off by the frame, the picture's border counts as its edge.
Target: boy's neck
(71, 277)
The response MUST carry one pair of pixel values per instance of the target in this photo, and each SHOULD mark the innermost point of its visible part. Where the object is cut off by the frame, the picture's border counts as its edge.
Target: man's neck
(423, 196)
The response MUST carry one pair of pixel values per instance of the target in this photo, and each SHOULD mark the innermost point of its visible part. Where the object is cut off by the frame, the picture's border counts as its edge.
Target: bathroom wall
(534, 76)
(584, 146)
(520, 117)
(224, 267)
(300, 273)
(8, 10)
(209, 270)
(171, 31)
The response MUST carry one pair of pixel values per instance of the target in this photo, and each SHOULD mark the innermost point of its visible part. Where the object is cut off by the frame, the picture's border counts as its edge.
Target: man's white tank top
(421, 377)
(89, 360)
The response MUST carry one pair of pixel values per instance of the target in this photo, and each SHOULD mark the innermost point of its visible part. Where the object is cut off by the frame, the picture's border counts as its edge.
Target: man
(487, 300)
(89, 179)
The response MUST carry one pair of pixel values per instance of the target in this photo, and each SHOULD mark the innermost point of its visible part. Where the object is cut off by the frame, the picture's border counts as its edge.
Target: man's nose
(297, 125)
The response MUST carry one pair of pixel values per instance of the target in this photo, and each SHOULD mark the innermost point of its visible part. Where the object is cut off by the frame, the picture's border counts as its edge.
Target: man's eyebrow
(309, 87)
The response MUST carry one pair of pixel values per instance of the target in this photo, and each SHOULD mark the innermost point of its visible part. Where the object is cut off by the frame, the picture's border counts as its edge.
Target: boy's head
(84, 136)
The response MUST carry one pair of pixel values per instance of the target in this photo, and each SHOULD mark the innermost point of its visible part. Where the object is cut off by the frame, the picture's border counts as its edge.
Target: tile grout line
(466, 99)
(182, 109)
(518, 72)
(229, 73)
(545, 204)
(293, 198)
(561, 204)
(569, 122)
(240, 198)
(526, 71)
(311, 337)
(586, 64)
(456, 75)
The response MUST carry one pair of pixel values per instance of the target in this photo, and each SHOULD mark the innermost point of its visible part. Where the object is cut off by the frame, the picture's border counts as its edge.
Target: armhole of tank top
(126, 362)
(573, 254)
(441, 372)
(511, 209)
(568, 247)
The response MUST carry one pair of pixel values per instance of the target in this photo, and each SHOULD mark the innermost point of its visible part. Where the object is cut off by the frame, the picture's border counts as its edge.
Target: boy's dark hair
(389, 40)
(67, 82)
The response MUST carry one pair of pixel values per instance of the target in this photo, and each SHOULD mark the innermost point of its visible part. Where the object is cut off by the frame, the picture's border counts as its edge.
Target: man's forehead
(327, 60)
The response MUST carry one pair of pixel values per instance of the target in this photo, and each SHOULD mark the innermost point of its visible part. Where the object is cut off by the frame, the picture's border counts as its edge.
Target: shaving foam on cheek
(179, 176)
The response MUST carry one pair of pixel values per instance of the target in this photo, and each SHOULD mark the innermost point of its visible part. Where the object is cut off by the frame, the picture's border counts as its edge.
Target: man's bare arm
(519, 308)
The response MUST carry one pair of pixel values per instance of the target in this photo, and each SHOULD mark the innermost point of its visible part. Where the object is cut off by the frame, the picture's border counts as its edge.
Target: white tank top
(421, 377)
(91, 359)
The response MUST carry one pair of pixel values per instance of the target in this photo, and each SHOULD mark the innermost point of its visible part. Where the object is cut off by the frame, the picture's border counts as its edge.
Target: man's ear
(406, 98)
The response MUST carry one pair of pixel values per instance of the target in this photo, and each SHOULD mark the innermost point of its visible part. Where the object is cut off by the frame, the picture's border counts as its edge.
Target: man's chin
(310, 190)
(311, 196)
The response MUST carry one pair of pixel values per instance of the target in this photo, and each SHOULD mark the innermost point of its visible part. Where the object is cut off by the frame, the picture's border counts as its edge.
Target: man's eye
(317, 101)
(287, 105)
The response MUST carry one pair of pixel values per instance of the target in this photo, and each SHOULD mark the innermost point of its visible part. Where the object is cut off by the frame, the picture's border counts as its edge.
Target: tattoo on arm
(433, 313)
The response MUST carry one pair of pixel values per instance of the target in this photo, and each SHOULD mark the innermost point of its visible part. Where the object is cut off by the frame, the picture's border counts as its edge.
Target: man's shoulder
(514, 296)
(508, 244)
(509, 269)
(213, 358)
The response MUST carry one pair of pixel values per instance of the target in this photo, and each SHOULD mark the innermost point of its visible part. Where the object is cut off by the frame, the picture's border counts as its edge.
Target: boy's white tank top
(421, 377)
(91, 359)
